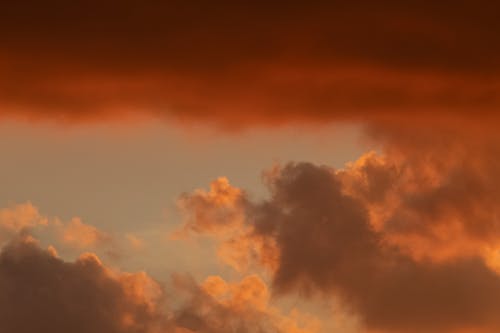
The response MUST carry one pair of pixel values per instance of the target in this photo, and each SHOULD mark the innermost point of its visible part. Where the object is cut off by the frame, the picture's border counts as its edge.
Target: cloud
(327, 243)
(73, 235)
(219, 306)
(439, 197)
(404, 240)
(212, 63)
(220, 213)
(19, 217)
(43, 292)
(76, 233)
(213, 210)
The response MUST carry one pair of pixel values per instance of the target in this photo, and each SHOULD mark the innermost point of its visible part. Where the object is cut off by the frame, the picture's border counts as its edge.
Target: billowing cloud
(42, 292)
(213, 210)
(327, 243)
(435, 193)
(405, 240)
(220, 213)
(219, 307)
(235, 64)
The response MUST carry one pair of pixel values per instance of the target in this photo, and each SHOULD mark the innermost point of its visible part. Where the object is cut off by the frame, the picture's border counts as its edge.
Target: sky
(249, 167)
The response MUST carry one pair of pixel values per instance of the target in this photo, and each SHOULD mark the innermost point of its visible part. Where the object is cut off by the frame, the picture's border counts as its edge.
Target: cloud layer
(234, 64)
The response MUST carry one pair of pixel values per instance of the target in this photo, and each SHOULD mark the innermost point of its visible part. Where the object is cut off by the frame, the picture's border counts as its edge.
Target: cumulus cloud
(406, 240)
(220, 213)
(219, 306)
(443, 198)
(41, 292)
(327, 242)
(213, 210)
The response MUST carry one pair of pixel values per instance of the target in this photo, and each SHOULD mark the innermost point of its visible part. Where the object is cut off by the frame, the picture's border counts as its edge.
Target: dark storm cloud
(241, 62)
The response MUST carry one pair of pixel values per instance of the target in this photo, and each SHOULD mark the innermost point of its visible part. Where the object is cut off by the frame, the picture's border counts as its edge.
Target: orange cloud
(26, 219)
(209, 212)
(303, 62)
(401, 238)
(434, 194)
(42, 292)
(18, 217)
(220, 306)
(79, 234)
(220, 213)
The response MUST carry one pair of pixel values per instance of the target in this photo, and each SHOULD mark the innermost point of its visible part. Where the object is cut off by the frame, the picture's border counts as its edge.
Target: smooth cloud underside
(234, 64)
